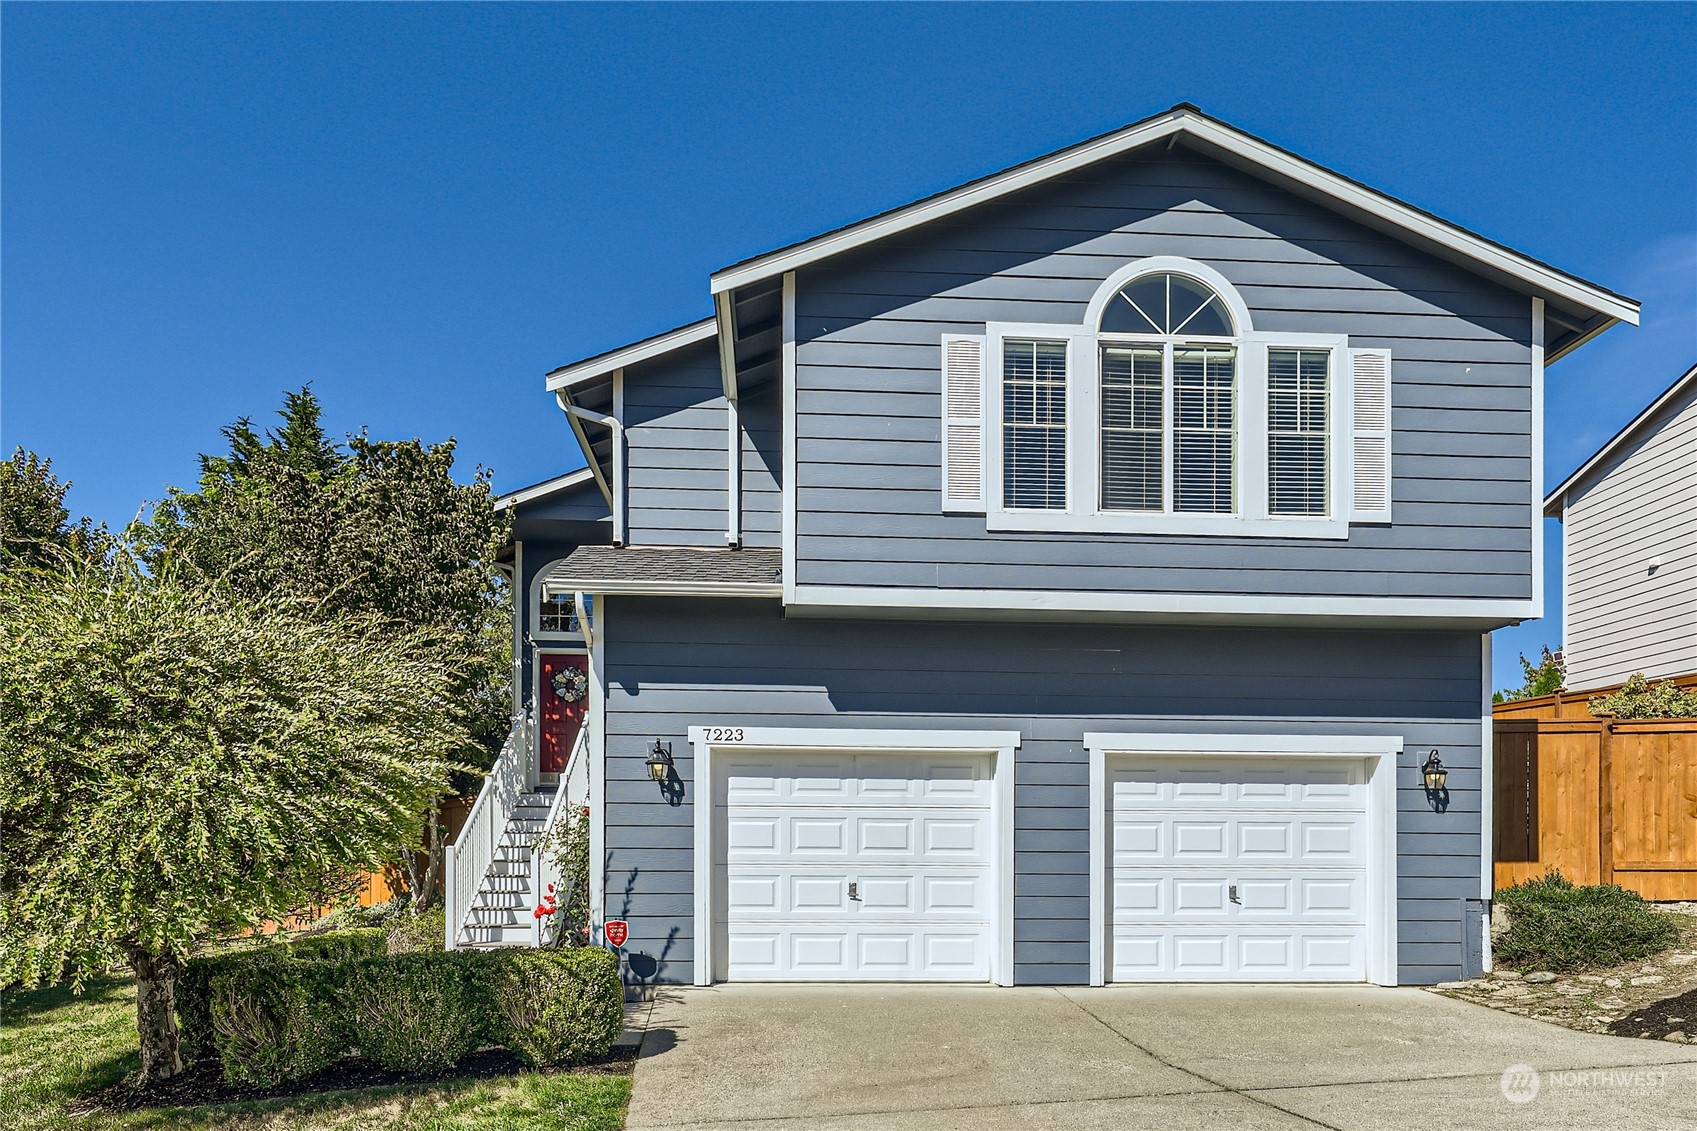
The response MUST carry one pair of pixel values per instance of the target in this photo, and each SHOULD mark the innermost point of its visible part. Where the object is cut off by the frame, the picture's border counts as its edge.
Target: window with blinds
(1298, 429)
(1034, 425)
(1133, 429)
(1204, 441)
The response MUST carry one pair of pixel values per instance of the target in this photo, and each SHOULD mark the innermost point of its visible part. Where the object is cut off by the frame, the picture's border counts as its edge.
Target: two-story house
(1082, 575)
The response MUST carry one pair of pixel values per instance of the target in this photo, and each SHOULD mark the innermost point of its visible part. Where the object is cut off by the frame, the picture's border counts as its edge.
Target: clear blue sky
(422, 208)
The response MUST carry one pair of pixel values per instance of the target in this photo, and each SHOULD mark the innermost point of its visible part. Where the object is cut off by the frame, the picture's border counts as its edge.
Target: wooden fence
(1602, 800)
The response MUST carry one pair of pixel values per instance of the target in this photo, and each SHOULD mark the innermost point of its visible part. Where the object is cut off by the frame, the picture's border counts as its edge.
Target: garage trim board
(713, 744)
(1376, 753)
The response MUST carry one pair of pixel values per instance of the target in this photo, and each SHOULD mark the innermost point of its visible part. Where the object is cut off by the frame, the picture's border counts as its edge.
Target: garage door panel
(1232, 869)
(912, 833)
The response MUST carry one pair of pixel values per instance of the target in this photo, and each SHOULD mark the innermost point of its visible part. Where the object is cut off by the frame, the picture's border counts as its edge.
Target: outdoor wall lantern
(660, 762)
(1434, 773)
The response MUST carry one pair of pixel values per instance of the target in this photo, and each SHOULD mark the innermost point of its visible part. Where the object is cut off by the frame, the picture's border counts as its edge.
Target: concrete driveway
(888, 1058)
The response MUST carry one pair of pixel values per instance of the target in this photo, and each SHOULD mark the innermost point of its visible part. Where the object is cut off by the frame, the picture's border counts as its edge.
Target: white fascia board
(543, 490)
(1553, 501)
(604, 364)
(1180, 604)
(1346, 192)
(724, 319)
(663, 588)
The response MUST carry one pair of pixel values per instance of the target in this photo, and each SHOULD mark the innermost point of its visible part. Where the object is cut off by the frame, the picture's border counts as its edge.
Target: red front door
(562, 696)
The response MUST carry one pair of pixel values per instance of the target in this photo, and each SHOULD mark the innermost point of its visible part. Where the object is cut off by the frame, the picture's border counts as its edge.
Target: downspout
(616, 491)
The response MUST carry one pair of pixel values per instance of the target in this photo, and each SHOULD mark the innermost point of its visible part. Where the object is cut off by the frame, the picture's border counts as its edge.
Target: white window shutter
(963, 422)
(1371, 381)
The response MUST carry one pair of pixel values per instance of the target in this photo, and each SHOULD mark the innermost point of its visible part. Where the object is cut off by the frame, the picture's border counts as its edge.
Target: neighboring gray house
(1059, 580)
(1629, 549)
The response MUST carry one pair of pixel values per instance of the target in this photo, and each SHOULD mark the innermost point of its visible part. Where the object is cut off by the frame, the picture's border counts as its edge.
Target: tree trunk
(424, 887)
(156, 1019)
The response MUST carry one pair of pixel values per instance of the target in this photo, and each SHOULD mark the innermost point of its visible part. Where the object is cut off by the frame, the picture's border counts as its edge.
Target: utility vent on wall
(963, 422)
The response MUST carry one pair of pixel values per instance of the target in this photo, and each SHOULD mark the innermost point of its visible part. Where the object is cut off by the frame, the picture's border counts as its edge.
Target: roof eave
(570, 376)
(1554, 501)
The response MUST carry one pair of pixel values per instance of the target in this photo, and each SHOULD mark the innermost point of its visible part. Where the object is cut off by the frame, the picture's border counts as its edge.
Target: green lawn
(55, 1047)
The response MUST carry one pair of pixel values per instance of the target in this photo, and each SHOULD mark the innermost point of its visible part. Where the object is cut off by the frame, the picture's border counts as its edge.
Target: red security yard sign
(616, 931)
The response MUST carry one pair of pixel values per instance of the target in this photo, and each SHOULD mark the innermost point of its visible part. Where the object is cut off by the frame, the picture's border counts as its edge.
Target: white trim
(671, 588)
(787, 364)
(602, 364)
(733, 486)
(596, 720)
(574, 420)
(724, 320)
(620, 502)
(1378, 753)
(1084, 601)
(1487, 782)
(1083, 512)
(1193, 124)
(542, 490)
(1537, 457)
(999, 744)
(1175, 265)
(1621, 437)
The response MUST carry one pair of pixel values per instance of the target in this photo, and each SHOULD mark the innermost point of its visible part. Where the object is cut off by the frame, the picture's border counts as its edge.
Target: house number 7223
(724, 734)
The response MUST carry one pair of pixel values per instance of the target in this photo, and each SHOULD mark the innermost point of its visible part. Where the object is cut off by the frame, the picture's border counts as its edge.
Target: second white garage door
(1238, 869)
(855, 867)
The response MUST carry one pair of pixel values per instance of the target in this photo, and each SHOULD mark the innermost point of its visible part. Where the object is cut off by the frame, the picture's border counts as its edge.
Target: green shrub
(410, 934)
(1556, 926)
(418, 1012)
(339, 946)
(193, 996)
(555, 1007)
(277, 1020)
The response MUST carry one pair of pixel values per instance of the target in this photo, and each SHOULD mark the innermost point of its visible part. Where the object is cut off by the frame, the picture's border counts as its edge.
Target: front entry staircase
(495, 874)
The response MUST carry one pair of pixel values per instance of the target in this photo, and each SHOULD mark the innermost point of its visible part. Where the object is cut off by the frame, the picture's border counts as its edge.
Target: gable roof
(1553, 502)
(602, 364)
(1601, 307)
(544, 489)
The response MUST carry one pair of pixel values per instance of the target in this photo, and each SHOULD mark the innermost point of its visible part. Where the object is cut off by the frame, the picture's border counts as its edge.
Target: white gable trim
(1554, 500)
(1198, 126)
(542, 490)
(602, 365)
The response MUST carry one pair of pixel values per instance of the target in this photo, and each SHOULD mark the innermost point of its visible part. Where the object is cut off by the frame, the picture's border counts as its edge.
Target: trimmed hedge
(277, 1021)
(280, 1013)
(410, 934)
(418, 1012)
(557, 1007)
(194, 985)
(1556, 926)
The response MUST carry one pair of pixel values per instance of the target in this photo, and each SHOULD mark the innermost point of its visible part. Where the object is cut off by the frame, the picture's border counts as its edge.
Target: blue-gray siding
(676, 663)
(675, 420)
(868, 328)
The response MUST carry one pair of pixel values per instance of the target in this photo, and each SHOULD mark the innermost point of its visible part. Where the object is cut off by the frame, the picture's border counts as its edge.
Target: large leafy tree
(35, 526)
(181, 760)
(370, 528)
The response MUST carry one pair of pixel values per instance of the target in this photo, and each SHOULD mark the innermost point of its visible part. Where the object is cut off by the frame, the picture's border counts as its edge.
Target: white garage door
(856, 867)
(1239, 870)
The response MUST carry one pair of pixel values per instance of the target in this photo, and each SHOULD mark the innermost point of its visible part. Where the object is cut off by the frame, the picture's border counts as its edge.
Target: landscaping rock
(1647, 980)
(1540, 977)
(1590, 979)
(1677, 1036)
(1455, 985)
(1571, 989)
(1613, 983)
(1679, 959)
(1507, 975)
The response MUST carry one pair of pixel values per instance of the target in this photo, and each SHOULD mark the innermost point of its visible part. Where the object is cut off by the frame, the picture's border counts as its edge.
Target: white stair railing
(467, 860)
(573, 795)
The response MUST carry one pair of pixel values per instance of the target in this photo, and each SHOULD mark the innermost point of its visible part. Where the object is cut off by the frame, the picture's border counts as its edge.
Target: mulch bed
(203, 1082)
(1670, 1015)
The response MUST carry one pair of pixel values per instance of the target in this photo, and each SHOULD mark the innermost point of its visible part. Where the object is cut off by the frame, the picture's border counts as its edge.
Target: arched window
(1168, 406)
(1167, 303)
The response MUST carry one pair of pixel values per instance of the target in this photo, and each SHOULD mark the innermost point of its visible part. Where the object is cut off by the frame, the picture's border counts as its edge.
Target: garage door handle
(854, 892)
(1233, 894)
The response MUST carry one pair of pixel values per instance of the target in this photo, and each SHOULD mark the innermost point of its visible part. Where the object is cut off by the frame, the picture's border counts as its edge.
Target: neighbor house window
(1298, 425)
(1034, 425)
